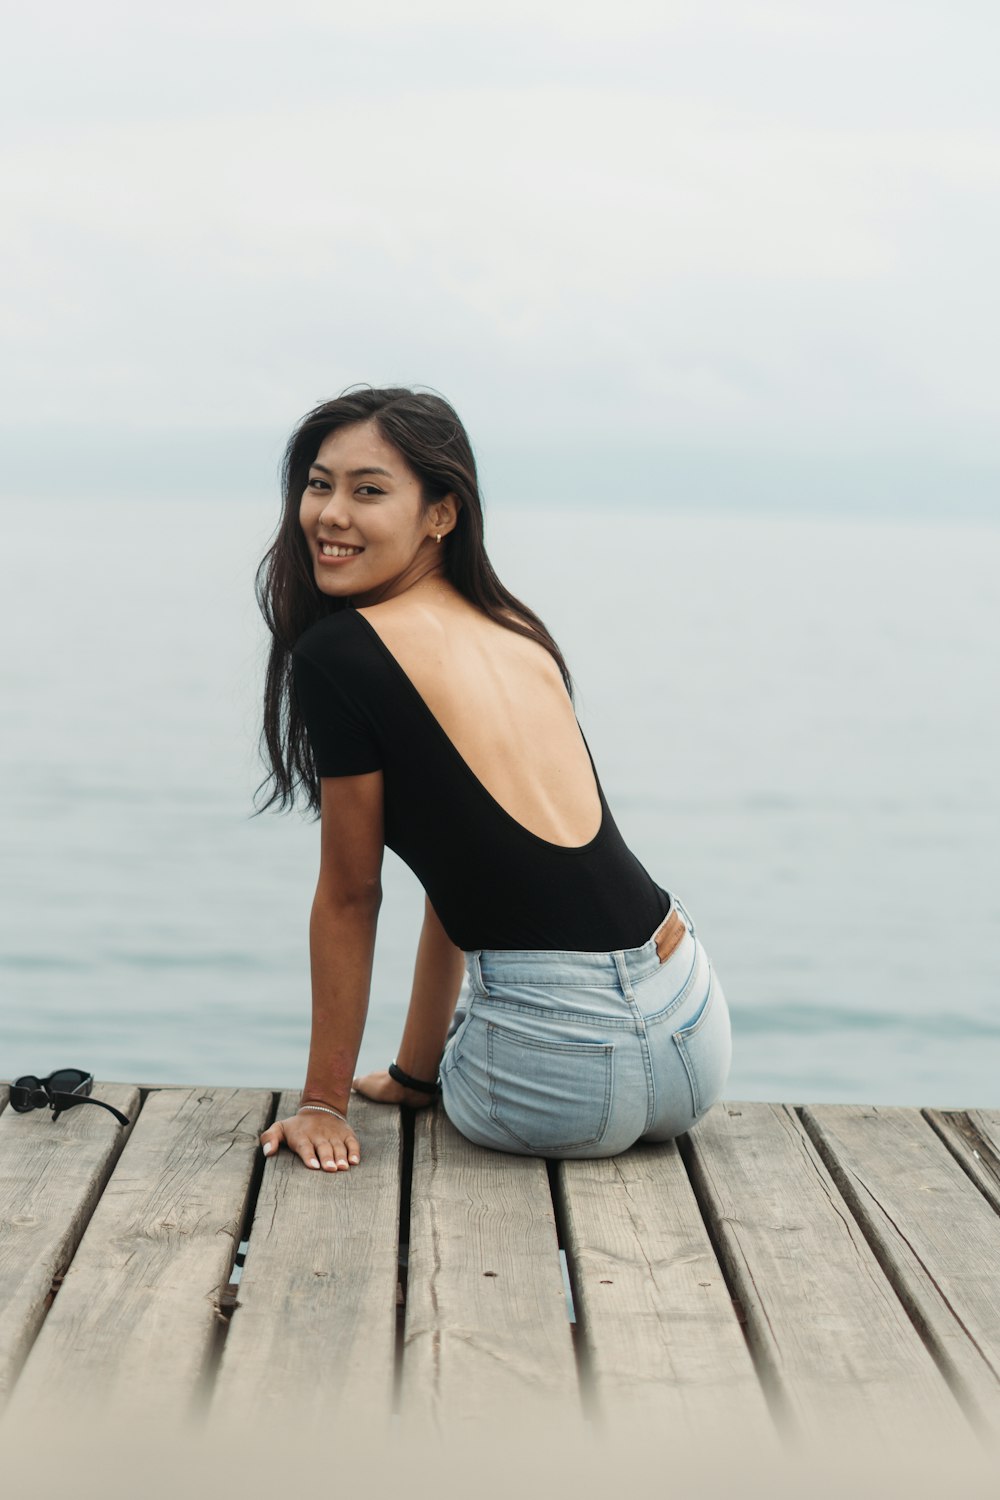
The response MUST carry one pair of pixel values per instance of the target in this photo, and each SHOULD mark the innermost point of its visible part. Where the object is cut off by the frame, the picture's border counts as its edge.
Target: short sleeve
(340, 736)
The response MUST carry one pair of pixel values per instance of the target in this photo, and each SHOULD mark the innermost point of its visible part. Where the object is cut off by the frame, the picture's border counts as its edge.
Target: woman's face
(364, 520)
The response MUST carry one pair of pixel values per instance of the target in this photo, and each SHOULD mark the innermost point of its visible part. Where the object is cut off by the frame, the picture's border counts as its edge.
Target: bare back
(501, 700)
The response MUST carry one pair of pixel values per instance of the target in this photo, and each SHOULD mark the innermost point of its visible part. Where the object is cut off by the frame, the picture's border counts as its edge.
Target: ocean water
(796, 723)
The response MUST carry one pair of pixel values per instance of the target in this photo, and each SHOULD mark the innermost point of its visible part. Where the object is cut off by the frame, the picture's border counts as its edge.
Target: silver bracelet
(326, 1110)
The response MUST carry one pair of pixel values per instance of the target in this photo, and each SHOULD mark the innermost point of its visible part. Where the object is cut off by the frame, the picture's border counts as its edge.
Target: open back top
(492, 882)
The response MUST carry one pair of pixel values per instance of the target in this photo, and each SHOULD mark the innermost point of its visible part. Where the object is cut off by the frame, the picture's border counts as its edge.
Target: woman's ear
(443, 514)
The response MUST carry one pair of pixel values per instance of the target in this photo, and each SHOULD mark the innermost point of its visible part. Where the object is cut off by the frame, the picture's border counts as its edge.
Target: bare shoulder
(402, 612)
(450, 626)
(423, 617)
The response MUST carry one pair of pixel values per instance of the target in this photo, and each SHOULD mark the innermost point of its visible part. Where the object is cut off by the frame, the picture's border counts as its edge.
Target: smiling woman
(367, 525)
(421, 706)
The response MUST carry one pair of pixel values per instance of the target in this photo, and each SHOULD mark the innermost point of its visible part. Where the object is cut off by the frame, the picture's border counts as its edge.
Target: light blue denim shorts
(566, 1054)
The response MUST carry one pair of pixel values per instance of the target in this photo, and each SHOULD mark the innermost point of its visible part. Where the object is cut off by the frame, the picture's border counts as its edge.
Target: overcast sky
(723, 252)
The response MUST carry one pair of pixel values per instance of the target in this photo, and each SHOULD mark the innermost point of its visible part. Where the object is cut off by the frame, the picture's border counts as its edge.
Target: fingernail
(268, 1147)
(329, 1164)
(313, 1162)
(354, 1159)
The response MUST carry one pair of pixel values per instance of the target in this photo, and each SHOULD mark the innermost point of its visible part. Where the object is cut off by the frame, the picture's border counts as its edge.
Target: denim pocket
(706, 1048)
(549, 1095)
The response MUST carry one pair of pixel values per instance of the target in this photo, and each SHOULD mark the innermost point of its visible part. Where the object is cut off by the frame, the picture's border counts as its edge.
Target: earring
(437, 536)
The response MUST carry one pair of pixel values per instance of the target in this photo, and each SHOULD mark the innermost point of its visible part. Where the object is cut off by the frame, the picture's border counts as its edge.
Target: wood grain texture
(935, 1235)
(973, 1138)
(660, 1339)
(487, 1328)
(847, 1262)
(835, 1350)
(134, 1321)
(314, 1327)
(52, 1174)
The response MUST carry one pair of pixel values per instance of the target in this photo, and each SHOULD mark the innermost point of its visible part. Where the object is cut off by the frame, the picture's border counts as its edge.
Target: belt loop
(684, 912)
(476, 971)
(624, 977)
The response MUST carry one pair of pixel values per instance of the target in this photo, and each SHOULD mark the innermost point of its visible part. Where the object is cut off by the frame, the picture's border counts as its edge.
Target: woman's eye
(320, 482)
(374, 489)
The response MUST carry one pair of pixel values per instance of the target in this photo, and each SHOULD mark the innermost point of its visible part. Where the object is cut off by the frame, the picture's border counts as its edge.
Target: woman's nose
(334, 513)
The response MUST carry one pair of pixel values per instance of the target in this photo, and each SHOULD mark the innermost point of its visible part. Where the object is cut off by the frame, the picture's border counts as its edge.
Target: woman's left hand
(385, 1090)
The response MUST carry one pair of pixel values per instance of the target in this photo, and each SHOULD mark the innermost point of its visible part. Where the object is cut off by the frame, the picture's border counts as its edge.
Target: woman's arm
(342, 928)
(437, 980)
(341, 950)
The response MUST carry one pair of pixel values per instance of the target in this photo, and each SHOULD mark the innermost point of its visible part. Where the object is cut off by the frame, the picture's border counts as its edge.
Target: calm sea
(796, 723)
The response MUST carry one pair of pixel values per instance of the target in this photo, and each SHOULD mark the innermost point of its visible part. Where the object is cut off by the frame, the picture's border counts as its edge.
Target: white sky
(728, 238)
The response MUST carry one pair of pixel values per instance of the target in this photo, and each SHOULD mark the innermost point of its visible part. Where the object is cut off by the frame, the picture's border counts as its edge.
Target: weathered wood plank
(314, 1326)
(934, 1233)
(487, 1330)
(660, 1339)
(51, 1176)
(973, 1138)
(836, 1353)
(135, 1318)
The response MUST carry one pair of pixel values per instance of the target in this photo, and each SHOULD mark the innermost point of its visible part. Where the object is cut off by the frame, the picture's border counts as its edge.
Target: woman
(422, 706)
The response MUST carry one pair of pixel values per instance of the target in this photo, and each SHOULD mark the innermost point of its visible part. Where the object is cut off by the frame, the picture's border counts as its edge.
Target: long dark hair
(427, 432)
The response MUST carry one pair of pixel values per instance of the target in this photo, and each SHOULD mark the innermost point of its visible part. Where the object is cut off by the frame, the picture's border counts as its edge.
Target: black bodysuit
(492, 882)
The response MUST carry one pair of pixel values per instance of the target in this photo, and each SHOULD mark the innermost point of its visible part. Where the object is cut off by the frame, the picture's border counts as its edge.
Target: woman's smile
(338, 552)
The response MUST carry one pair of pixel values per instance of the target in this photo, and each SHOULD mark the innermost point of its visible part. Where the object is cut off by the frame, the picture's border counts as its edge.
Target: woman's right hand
(320, 1139)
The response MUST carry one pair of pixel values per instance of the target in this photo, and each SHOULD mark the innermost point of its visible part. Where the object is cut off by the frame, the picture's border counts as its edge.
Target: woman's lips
(343, 553)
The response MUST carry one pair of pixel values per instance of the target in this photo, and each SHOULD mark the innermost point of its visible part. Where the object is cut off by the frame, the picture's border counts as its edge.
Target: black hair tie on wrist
(419, 1084)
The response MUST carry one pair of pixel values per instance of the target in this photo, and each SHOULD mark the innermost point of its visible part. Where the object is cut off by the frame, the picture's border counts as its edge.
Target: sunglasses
(61, 1090)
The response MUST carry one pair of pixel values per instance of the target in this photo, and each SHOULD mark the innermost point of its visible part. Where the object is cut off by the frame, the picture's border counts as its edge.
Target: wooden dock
(785, 1271)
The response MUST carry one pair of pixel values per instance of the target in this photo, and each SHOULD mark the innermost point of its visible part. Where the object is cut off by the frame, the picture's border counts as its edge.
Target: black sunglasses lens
(21, 1091)
(69, 1081)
